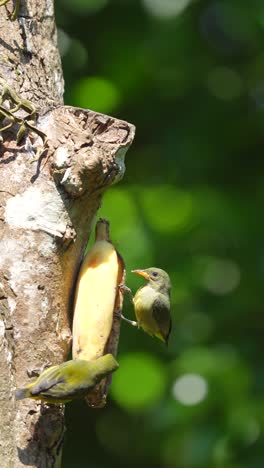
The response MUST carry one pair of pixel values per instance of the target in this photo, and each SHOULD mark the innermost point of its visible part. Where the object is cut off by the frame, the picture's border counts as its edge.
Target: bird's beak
(141, 273)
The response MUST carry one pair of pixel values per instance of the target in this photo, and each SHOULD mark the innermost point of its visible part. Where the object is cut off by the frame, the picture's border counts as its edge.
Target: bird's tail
(21, 393)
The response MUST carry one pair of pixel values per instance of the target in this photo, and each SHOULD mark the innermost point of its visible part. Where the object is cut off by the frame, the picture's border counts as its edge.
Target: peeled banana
(95, 297)
(97, 303)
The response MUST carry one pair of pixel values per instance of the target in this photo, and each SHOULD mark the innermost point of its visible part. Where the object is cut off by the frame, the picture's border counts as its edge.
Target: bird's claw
(132, 322)
(125, 289)
(36, 371)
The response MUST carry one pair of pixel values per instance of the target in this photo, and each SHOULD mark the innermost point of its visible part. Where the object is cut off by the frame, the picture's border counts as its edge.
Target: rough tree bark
(46, 212)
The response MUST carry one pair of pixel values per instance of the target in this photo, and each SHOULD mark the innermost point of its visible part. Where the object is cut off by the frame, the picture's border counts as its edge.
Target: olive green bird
(68, 381)
(152, 303)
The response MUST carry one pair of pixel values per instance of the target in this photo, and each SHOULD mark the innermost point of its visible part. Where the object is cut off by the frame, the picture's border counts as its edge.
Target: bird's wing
(61, 382)
(50, 378)
(161, 313)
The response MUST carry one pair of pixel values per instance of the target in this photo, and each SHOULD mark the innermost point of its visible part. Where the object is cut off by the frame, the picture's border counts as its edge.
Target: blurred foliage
(190, 76)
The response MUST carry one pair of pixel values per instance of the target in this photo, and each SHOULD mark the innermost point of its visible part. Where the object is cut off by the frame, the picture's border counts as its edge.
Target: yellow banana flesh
(95, 298)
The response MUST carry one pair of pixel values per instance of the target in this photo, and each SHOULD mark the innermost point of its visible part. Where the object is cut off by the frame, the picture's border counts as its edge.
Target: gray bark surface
(47, 209)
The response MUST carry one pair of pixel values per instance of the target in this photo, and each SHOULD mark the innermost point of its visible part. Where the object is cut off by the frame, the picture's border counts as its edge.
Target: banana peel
(98, 306)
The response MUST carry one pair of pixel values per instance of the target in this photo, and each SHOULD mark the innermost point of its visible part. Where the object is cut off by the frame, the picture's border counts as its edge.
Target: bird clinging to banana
(152, 303)
(68, 381)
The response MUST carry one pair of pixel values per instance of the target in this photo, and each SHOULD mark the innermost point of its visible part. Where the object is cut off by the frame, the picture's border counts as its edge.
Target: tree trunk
(47, 208)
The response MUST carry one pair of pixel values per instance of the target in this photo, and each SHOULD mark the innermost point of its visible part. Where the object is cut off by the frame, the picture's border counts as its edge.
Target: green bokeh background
(190, 76)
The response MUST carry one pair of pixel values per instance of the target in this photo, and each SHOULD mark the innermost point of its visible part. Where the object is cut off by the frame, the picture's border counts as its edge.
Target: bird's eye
(155, 274)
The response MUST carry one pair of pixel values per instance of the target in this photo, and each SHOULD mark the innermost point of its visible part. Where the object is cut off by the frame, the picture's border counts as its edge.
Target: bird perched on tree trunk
(68, 381)
(152, 303)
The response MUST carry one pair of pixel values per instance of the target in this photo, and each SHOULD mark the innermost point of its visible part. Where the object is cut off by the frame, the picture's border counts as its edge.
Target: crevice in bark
(47, 210)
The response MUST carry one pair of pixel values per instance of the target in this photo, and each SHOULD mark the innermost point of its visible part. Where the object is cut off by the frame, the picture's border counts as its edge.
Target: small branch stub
(89, 154)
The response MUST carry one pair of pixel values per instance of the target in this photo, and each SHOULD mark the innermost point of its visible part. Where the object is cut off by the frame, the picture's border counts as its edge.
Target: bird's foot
(121, 316)
(125, 289)
(37, 371)
(132, 322)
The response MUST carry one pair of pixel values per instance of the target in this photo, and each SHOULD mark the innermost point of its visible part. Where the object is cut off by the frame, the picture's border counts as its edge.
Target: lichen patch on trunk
(37, 210)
